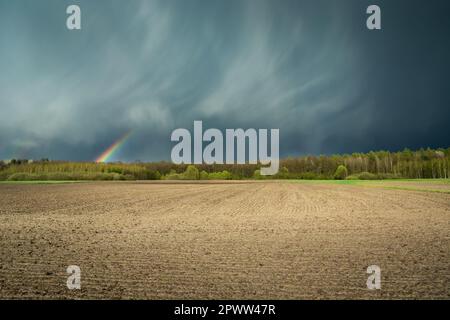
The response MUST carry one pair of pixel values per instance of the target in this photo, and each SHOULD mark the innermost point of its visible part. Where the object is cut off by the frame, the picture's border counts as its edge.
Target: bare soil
(249, 240)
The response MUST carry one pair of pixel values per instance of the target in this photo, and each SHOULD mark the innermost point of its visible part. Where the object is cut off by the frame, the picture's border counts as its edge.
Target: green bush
(363, 176)
(204, 175)
(173, 175)
(191, 173)
(257, 174)
(224, 175)
(283, 173)
(227, 175)
(341, 173)
(149, 175)
(367, 176)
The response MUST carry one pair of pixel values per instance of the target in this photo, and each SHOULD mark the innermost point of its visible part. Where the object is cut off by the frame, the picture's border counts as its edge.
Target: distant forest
(420, 164)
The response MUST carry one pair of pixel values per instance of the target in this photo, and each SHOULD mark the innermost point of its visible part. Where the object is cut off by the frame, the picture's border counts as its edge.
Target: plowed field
(250, 240)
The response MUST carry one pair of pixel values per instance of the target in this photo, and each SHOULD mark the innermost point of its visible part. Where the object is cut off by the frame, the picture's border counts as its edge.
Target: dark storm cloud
(310, 68)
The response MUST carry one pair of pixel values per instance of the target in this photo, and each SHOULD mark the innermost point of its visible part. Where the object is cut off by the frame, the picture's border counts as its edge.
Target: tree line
(419, 164)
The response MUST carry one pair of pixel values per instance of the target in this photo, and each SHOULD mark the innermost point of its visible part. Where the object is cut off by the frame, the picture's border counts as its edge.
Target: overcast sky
(310, 68)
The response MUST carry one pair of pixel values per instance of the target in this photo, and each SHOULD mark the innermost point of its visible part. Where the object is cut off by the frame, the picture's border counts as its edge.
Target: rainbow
(106, 155)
